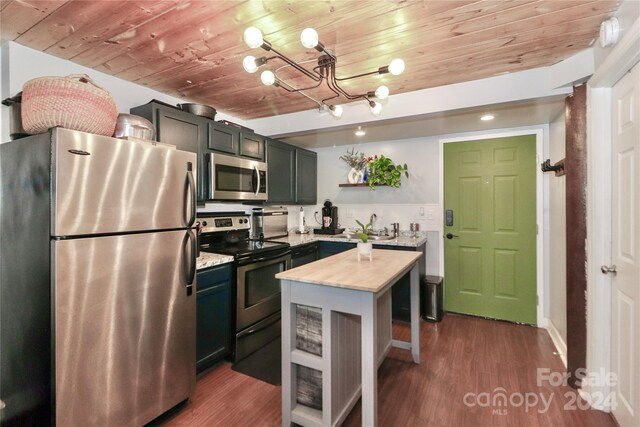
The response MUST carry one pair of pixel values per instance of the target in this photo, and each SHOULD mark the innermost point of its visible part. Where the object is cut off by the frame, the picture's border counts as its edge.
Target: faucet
(372, 219)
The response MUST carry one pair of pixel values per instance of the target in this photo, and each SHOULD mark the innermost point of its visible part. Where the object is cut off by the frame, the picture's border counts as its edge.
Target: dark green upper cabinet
(251, 145)
(306, 177)
(186, 131)
(292, 175)
(236, 142)
(281, 159)
(223, 138)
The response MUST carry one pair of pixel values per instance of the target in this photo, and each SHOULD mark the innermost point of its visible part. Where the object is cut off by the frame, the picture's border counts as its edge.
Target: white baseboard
(561, 346)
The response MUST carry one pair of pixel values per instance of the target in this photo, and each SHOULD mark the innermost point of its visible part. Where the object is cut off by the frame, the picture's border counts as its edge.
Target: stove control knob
(204, 223)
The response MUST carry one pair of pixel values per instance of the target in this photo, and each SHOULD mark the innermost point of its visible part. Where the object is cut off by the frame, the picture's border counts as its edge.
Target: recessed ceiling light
(487, 117)
(360, 131)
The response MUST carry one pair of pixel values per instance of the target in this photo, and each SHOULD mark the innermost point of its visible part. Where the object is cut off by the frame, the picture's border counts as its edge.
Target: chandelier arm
(340, 79)
(294, 89)
(298, 67)
(330, 98)
(332, 79)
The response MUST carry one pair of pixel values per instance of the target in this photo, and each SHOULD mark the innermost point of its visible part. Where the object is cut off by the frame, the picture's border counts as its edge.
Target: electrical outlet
(430, 215)
(349, 213)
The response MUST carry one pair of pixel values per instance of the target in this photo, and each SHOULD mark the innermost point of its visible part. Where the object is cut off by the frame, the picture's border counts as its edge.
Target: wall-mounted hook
(558, 167)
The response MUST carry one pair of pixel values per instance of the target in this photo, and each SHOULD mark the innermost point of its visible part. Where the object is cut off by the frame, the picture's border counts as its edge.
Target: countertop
(207, 259)
(295, 239)
(345, 271)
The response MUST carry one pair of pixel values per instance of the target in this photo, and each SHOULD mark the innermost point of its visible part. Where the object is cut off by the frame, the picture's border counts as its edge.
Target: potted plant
(382, 171)
(357, 161)
(365, 247)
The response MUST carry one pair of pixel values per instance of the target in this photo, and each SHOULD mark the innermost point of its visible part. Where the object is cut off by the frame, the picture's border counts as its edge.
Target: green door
(490, 246)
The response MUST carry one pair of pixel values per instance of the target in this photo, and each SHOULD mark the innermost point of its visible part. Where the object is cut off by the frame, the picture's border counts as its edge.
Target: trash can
(431, 298)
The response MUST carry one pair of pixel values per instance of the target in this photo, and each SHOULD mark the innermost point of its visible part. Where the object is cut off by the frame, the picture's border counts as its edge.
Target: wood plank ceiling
(194, 49)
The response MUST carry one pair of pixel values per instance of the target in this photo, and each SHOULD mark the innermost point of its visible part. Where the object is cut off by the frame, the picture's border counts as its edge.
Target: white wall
(557, 231)
(20, 64)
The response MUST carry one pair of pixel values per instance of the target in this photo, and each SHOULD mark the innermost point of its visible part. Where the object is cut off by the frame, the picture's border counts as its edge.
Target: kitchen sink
(380, 237)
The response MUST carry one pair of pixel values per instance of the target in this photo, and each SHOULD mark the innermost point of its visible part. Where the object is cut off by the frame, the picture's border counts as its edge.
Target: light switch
(421, 211)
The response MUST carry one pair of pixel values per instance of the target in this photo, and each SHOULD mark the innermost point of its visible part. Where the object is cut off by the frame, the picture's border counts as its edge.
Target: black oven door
(258, 295)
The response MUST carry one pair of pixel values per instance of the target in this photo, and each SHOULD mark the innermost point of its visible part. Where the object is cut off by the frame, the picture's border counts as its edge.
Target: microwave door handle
(255, 167)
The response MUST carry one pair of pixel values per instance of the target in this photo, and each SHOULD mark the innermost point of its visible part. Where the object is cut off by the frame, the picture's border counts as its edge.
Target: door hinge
(537, 230)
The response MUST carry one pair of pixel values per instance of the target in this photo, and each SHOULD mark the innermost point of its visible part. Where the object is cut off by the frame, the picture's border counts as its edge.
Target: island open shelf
(354, 301)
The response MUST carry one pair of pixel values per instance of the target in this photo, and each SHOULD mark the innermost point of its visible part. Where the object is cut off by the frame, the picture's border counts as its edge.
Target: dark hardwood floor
(464, 356)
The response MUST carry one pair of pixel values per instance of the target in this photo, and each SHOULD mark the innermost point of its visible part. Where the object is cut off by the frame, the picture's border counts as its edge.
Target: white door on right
(625, 334)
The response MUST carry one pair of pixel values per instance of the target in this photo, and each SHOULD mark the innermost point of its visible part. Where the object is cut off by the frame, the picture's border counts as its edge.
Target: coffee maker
(329, 220)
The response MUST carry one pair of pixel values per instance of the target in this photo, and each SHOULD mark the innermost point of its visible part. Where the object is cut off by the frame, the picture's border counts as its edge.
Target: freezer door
(106, 185)
(124, 327)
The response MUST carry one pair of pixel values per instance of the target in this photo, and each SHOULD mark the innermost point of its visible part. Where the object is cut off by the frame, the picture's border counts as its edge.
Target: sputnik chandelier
(325, 71)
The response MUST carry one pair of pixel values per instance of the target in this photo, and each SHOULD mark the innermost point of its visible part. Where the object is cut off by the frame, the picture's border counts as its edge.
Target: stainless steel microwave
(234, 178)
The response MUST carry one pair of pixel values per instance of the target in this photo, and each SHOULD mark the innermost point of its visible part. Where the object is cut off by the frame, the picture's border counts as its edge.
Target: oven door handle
(258, 327)
(280, 257)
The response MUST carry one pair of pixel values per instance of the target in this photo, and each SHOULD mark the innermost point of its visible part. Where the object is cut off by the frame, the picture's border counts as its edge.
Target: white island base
(355, 301)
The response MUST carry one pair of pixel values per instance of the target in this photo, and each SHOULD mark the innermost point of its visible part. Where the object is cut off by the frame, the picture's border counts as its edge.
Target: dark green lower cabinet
(401, 291)
(213, 315)
(331, 248)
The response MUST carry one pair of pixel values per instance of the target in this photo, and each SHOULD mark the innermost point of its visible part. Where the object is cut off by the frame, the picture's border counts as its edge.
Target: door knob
(451, 236)
(606, 270)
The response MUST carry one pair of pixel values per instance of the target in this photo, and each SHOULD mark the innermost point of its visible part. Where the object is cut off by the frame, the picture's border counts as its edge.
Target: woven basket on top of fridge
(73, 102)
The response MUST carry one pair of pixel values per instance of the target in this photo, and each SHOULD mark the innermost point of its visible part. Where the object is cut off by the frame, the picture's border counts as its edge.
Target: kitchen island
(355, 302)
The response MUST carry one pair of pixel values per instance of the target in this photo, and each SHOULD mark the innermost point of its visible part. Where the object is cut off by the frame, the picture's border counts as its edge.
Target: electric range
(257, 291)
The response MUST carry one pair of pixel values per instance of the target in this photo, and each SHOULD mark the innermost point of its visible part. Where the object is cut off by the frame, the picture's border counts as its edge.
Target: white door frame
(540, 206)
(621, 59)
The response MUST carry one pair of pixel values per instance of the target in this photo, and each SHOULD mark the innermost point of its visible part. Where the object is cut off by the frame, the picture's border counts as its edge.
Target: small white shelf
(306, 416)
(309, 360)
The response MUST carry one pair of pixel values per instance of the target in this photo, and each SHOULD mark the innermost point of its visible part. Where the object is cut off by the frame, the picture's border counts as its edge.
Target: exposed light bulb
(253, 37)
(375, 107)
(382, 92)
(268, 78)
(309, 38)
(487, 117)
(396, 67)
(336, 111)
(249, 64)
(360, 132)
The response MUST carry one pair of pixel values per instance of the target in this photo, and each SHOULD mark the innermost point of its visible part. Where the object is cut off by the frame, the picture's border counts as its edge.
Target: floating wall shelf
(362, 184)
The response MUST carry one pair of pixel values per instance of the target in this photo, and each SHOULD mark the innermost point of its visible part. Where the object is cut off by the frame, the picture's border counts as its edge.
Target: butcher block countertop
(345, 271)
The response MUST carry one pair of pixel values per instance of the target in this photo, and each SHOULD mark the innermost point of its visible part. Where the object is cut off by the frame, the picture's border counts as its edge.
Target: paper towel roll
(301, 220)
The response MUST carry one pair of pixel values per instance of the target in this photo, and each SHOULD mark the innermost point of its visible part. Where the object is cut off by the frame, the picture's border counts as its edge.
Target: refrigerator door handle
(191, 188)
(191, 275)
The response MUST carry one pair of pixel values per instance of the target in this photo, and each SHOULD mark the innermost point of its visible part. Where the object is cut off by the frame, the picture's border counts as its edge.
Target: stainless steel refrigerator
(97, 277)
